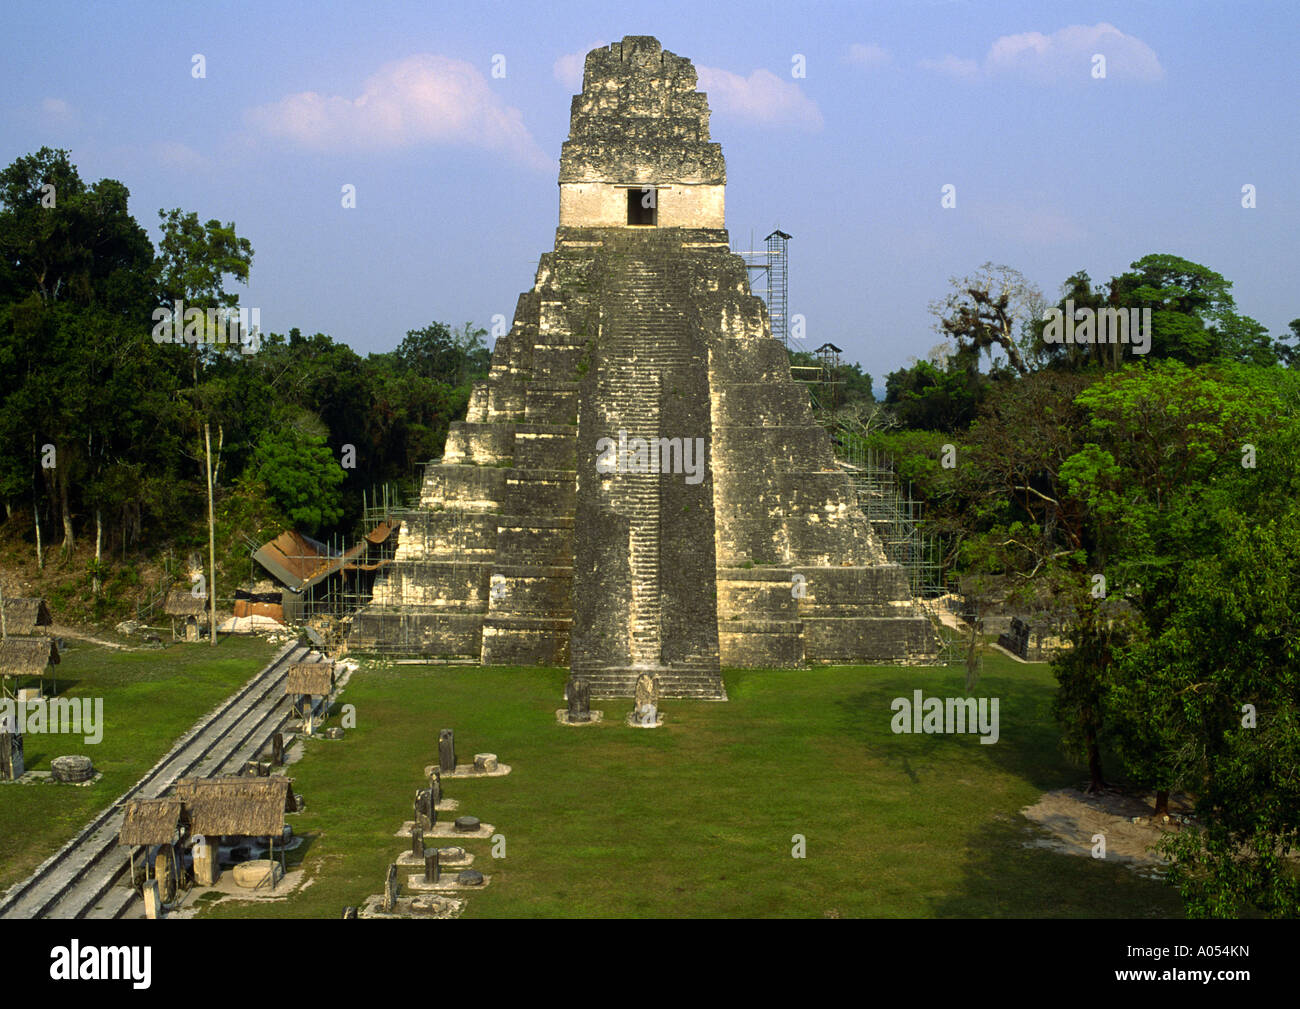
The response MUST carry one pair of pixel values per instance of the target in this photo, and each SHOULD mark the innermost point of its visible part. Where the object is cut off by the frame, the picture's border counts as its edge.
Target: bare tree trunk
(40, 556)
(68, 540)
(221, 441)
(212, 543)
(1162, 803)
(99, 542)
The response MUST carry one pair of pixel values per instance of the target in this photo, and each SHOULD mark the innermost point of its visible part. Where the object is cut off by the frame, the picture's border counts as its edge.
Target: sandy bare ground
(62, 631)
(1073, 818)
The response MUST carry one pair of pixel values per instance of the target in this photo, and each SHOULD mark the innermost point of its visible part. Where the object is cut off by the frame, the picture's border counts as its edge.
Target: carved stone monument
(446, 751)
(435, 789)
(391, 887)
(485, 763)
(207, 867)
(646, 712)
(431, 872)
(426, 810)
(277, 749)
(417, 841)
(577, 693)
(11, 750)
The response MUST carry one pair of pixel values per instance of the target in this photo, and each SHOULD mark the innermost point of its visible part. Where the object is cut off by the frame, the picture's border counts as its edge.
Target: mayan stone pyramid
(639, 484)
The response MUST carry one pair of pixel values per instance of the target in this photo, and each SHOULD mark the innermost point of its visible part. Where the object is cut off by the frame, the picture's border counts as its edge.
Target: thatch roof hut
(27, 656)
(244, 807)
(316, 679)
(151, 821)
(182, 603)
(26, 616)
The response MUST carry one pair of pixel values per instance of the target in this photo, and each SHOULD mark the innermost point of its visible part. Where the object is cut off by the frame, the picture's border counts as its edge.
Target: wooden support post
(212, 544)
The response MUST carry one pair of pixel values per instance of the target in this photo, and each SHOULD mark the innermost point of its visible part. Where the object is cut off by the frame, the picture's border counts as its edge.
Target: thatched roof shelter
(27, 656)
(25, 616)
(247, 807)
(182, 603)
(151, 821)
(313, 678)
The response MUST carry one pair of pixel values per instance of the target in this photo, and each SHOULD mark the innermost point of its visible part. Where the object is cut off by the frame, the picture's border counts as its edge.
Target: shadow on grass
(1003, 878)
(1028, 740)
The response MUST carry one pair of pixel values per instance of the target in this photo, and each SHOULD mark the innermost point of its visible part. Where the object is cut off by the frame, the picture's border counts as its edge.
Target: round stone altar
(72, 769)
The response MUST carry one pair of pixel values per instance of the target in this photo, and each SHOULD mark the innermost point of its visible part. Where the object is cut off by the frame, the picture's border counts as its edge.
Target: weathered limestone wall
(603, 205)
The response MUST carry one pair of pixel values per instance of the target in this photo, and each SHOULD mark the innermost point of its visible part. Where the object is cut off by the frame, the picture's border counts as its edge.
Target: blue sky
(455, 169)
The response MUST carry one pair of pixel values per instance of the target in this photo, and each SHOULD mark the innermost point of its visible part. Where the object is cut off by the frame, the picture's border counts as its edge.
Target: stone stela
(646, 712)
(641, 322)
(446, 751)
(578, 696)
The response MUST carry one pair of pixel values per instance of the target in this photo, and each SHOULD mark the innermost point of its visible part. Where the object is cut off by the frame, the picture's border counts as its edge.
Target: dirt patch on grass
(1073, 818)
(63, 631)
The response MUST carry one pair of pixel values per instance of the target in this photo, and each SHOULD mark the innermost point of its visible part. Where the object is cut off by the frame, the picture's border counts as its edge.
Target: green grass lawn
(697, 818)
(150, 699)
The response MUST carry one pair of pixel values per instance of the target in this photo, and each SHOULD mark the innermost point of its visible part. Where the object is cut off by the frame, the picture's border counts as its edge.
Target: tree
(983, 309)
(1225, 675)
(1187, 302)
(301, 473)
(1163, 442)
(927, 398)
(76, 275)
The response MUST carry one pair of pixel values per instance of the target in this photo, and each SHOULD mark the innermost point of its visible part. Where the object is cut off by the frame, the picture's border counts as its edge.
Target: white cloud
(762, 98)
(568, 68)
(1061, 56)
(953, 67)
(423, 99)
(869, 55)
(173, 154)
(59, 112)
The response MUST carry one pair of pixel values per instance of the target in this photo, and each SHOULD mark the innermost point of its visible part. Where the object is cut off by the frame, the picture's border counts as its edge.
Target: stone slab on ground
(448, 882)
(47, 778)
(407, 825)
(423, 906)
(560, 714)
(468, 771)
(443, 829)
(408, 861)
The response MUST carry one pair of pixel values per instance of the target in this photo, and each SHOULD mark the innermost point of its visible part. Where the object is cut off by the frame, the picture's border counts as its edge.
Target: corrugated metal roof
(300, 562)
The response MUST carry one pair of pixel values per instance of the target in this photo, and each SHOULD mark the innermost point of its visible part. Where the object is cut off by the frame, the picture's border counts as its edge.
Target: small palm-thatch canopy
(26, 616)
(244, 807)
(151, 821)
(182, 603)
(27, 656)
(316, 679)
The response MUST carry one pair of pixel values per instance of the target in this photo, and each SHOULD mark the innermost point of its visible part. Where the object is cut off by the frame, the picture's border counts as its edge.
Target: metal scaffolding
(895, 516)
(769, 278)
(437, 546)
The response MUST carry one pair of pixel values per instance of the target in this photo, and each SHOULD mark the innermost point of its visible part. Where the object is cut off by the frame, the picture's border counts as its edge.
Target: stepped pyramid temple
(639, 485)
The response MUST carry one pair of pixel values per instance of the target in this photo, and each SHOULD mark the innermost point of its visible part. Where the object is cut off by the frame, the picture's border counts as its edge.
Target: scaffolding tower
(769, 278)
(778, 287)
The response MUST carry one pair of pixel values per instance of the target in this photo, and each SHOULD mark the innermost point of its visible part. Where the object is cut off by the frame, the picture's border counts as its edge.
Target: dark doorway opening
(643, 206)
